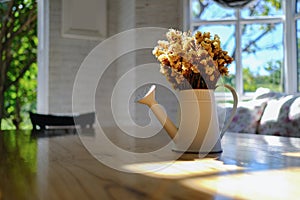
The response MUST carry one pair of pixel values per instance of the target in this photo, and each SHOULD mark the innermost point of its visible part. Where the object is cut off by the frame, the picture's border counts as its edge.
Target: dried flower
(192, 61)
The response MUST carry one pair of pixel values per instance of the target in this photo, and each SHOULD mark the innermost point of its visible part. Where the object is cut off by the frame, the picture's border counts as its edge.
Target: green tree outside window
(18, 57)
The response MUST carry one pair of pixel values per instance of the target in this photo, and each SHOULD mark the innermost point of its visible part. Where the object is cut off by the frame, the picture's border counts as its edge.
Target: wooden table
(64, 165)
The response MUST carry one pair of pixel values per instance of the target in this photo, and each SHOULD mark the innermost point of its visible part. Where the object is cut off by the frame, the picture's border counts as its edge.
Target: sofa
(267, 113)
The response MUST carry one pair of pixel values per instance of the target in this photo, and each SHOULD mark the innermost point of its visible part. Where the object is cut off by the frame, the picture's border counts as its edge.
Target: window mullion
(290, 64)
(238, 55)
(264, 19)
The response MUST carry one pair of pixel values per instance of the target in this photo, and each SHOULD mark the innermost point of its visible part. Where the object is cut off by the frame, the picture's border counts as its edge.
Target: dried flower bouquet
(192, 62)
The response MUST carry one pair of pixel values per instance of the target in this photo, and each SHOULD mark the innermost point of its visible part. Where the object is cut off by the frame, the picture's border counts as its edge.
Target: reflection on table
(69, 165)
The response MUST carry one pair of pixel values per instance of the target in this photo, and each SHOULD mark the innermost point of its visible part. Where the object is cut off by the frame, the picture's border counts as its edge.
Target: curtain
(234, 3)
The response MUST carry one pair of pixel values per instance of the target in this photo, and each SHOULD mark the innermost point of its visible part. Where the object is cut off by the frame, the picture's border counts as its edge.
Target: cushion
(265, 93)
(247, 116)
(281, 117)
(294, 118)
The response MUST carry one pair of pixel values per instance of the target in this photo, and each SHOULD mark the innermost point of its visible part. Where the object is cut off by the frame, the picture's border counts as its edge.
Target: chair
(50, 121)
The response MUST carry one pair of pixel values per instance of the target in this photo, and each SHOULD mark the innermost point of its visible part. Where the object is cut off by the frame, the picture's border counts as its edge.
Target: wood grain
(59, 166)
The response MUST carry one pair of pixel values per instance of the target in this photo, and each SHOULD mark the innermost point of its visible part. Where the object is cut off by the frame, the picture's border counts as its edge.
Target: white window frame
(43, 57)
(289, 42)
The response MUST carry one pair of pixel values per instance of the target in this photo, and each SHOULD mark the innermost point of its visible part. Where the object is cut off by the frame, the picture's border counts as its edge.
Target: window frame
(288, 19)
(297, 71)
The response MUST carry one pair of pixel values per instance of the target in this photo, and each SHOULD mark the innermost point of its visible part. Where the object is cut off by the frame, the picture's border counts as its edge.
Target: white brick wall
(65, 57)
(158, 13)
(165, 14)
(67, 54)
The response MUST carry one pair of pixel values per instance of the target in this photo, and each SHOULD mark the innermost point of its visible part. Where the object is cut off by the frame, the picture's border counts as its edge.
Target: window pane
(262, 56)
(227, 37)
(263, 8)
(298, 6)
(208, 10)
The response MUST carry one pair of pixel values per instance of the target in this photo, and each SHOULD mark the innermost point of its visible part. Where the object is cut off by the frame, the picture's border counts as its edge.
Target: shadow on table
(62, 132)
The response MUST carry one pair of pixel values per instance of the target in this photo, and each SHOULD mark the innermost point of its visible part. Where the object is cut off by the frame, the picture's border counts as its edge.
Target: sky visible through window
(261, 42)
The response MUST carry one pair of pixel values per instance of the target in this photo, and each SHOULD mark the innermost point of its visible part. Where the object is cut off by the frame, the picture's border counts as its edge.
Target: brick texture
(66, 56)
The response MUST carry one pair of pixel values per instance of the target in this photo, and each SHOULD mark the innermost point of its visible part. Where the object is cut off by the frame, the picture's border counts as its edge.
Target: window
(259, 38)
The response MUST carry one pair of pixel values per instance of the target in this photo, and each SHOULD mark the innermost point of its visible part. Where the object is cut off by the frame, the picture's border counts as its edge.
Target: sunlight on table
(273, 141)
(182, 169)
(268, 184)
(295, 142)
(292, 154)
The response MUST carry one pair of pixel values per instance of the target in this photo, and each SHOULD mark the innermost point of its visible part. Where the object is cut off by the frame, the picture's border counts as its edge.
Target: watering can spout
(148, 99)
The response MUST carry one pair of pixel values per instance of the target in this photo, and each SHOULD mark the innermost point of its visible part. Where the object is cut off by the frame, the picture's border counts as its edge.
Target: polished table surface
(85, 165)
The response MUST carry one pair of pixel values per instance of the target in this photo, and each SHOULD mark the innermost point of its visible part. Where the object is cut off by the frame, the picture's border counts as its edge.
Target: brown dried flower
(192, 61)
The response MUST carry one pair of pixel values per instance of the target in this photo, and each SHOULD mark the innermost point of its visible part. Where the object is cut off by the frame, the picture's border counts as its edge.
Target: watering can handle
(234, 108)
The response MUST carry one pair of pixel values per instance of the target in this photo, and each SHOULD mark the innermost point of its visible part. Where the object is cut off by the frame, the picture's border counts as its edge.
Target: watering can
(199, 130)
